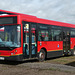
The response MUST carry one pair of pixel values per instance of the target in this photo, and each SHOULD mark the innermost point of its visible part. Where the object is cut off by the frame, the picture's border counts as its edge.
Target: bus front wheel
(42, 55)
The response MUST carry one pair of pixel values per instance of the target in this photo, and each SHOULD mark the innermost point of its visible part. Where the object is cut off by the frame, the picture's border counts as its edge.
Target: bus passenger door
(29, 40)
(26, 40)
(66, 41)
(33, 41)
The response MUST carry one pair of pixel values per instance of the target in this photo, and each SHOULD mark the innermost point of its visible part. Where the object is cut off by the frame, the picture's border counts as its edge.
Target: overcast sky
(58, 10)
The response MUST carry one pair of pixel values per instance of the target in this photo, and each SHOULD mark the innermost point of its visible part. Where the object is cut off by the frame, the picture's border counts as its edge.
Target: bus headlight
(11, 53)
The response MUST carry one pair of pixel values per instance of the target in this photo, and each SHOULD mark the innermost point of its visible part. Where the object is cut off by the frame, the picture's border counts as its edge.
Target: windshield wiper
(3, 45)
(9, 47)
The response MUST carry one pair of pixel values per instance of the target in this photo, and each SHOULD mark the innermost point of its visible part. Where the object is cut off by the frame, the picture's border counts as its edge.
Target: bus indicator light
(15, 50)
(58, 45)
(11, 53)
(40, 43)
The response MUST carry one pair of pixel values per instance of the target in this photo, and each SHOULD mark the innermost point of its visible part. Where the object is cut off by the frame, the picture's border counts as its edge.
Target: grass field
(66, 60)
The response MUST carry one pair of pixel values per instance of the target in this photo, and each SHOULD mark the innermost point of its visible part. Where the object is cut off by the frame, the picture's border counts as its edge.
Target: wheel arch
(74, 46)
(72, 51)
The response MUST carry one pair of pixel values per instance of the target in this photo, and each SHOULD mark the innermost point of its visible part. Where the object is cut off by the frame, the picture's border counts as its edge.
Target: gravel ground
(49, 66)
(34, 68)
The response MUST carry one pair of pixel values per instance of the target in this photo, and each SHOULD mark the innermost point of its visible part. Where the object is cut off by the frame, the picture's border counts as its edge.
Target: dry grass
(62, 60)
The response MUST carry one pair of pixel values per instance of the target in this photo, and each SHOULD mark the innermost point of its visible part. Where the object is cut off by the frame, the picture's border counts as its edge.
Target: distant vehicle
(24, 36)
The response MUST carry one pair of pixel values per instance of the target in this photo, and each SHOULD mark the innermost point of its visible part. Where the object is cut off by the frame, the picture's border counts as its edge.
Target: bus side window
(56, 35)
(73, 33)
(46, 36)
(43, 35)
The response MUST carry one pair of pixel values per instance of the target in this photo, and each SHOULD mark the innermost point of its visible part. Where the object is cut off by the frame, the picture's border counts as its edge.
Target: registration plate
(1, 58)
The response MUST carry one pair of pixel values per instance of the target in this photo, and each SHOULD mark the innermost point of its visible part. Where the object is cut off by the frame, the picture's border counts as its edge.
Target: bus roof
(35, 19)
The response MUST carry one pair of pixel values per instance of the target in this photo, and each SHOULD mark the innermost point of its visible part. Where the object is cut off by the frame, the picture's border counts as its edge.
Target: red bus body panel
(7, 53)
(50, 45)
(72, 44)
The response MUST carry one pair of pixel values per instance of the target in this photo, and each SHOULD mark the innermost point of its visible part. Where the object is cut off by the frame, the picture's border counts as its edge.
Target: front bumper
(12, 58)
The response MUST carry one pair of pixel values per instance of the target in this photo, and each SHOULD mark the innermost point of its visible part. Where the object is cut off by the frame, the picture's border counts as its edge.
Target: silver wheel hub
(74, 52)
(41, 55)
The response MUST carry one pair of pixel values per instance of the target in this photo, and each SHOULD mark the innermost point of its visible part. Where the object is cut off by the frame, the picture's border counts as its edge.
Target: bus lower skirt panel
(54, 54)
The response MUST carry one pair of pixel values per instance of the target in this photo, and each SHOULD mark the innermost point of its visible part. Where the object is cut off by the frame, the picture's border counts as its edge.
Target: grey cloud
(58, 10)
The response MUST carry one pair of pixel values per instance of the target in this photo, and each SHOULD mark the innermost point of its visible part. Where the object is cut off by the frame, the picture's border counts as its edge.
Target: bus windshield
(10, 36)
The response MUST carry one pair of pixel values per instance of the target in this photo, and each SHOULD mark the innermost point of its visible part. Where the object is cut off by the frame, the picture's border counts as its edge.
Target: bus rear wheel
(73, 53)
(42, 55)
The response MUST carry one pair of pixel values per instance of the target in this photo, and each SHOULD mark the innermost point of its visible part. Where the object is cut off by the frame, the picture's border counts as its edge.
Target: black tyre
(73, 52)
(42, 55)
